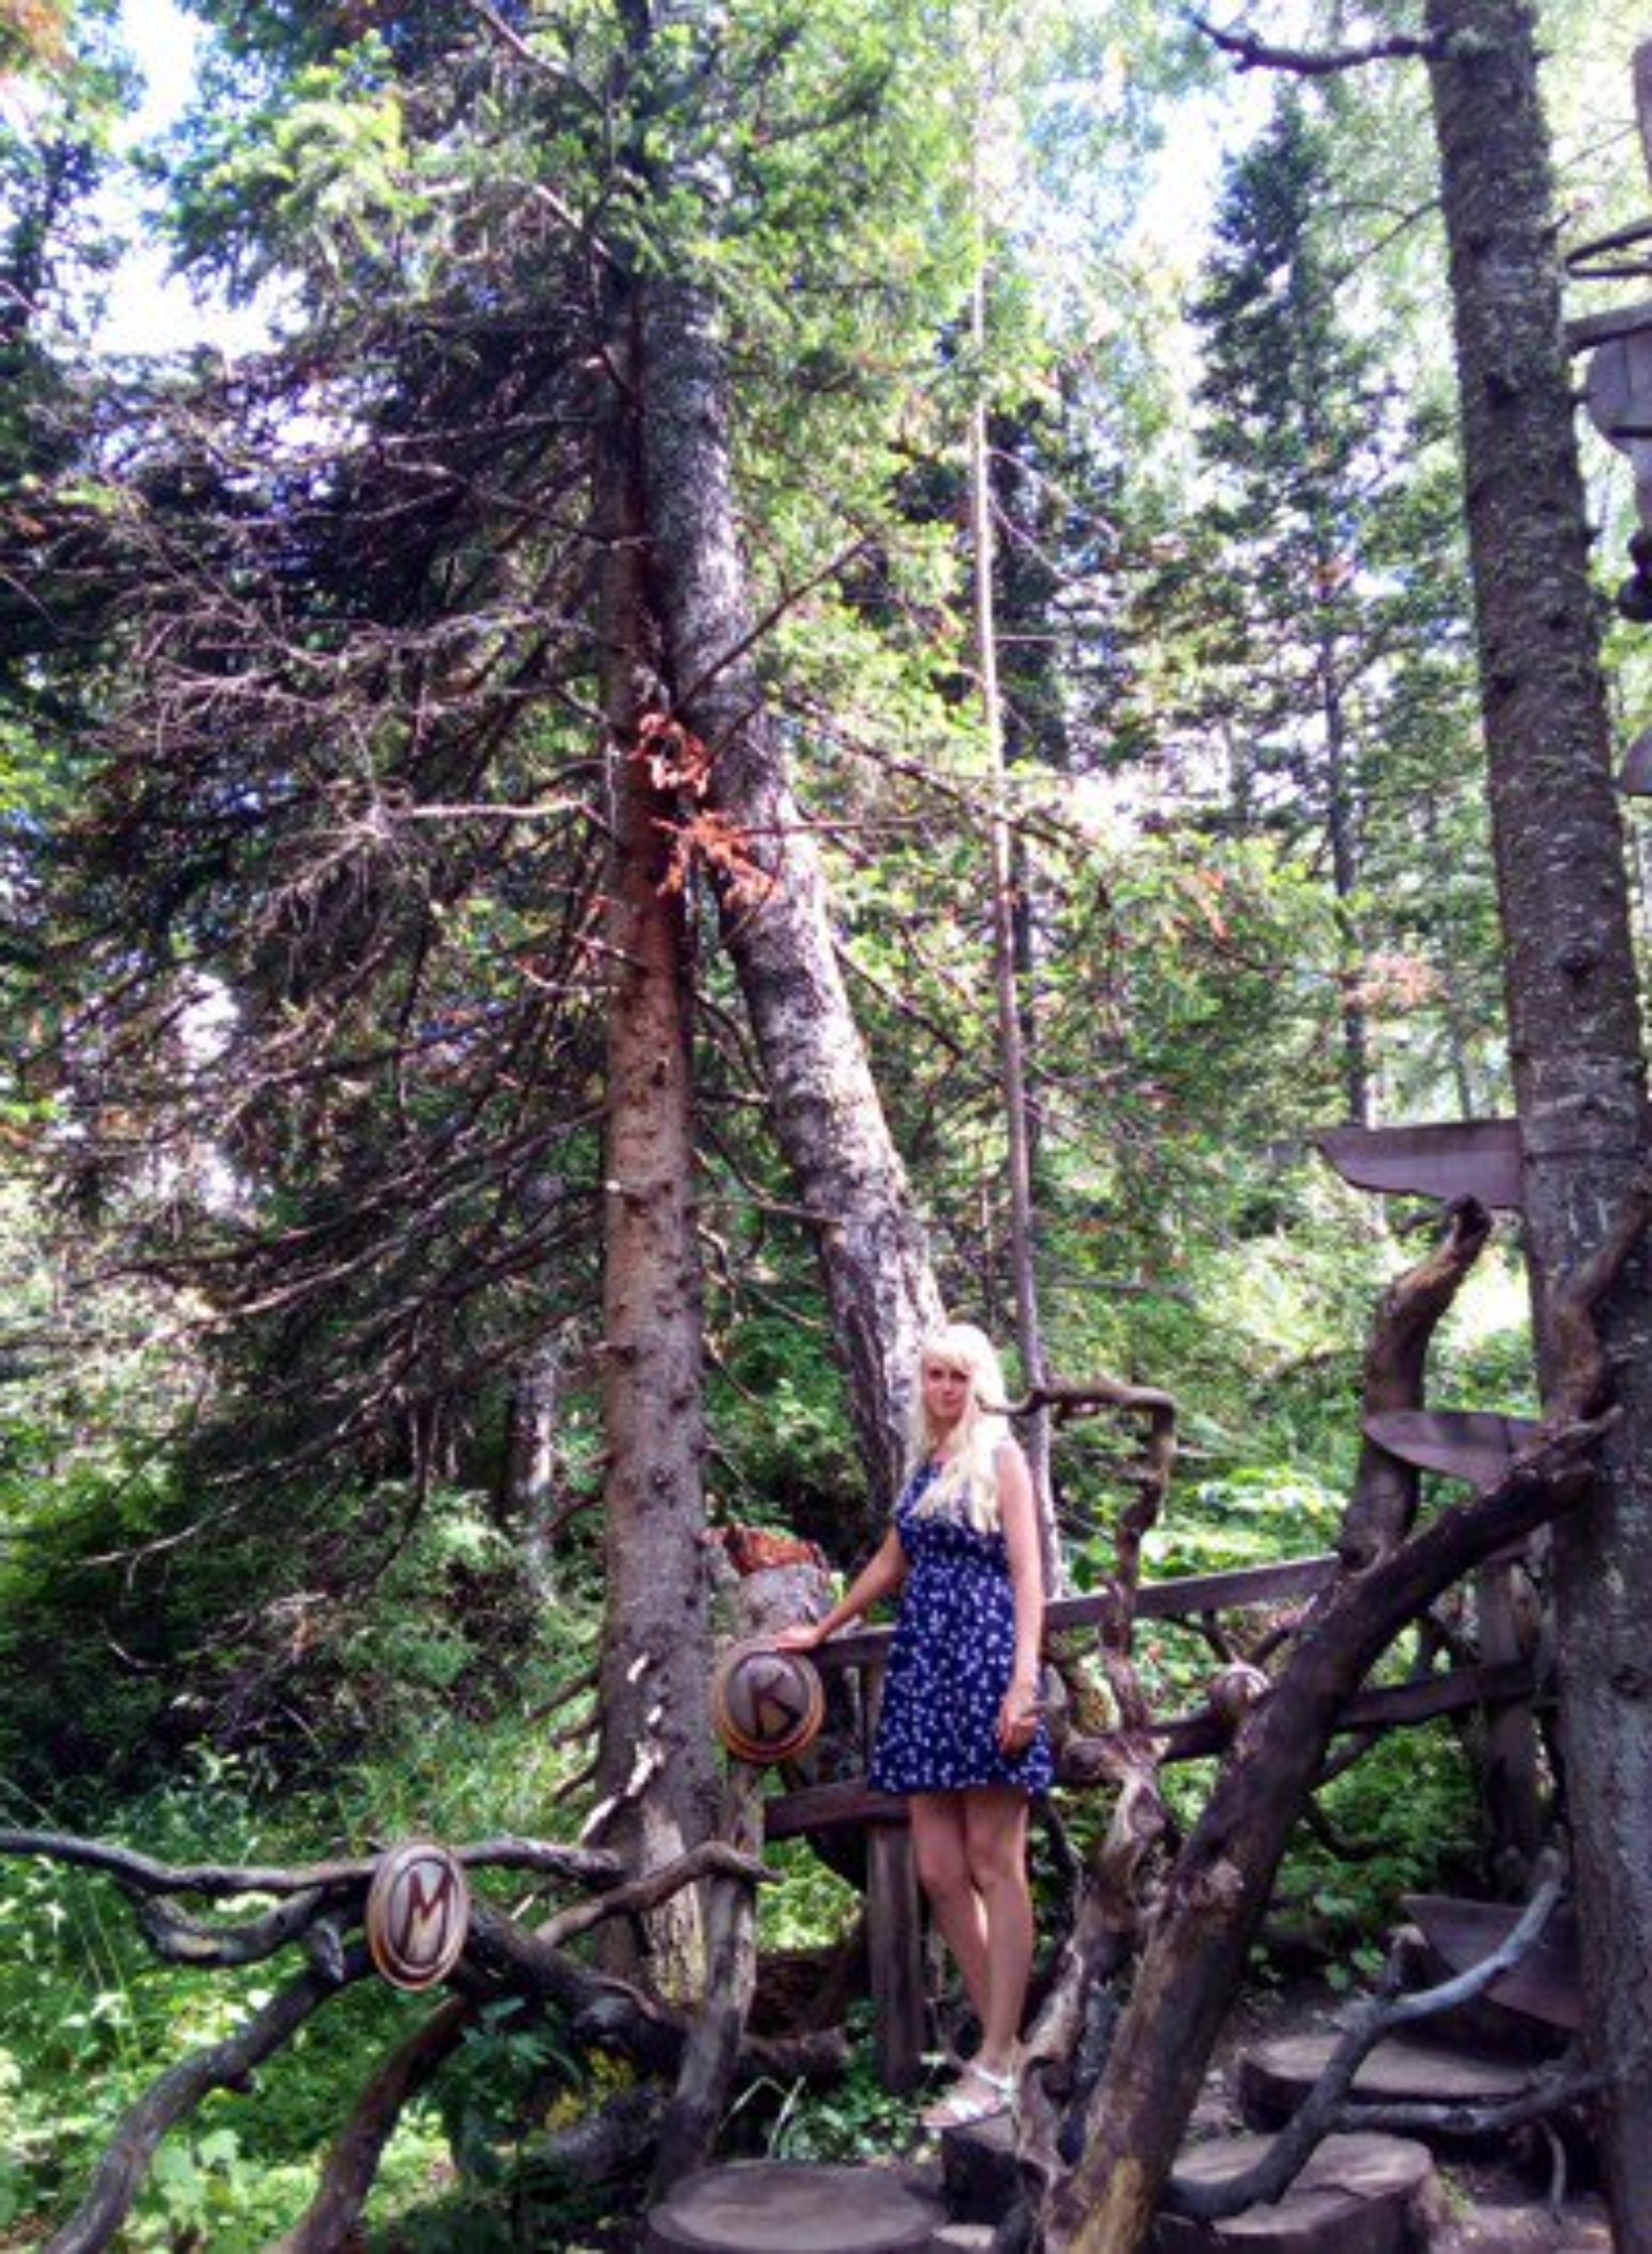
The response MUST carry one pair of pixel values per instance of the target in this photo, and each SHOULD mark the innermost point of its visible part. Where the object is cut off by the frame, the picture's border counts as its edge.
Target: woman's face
(946, 1394)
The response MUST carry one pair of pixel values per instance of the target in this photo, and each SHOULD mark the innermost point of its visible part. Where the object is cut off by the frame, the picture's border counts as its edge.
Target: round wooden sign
(419, 1915)
(767, 1704)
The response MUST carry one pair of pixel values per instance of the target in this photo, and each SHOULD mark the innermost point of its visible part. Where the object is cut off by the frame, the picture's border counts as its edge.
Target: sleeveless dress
(950, 1661)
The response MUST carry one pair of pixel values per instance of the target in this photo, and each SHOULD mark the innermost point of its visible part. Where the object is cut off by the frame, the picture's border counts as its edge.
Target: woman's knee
(995, 1848)
(940, 1851)
(943, 1868)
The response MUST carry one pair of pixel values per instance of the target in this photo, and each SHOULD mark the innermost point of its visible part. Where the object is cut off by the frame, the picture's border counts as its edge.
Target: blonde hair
(967, 1484)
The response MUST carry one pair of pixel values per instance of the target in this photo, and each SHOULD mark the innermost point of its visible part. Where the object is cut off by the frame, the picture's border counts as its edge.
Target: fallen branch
(348, 2173)
(143, 1875)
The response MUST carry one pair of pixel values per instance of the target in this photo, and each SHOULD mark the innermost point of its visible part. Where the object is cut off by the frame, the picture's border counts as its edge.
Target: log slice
(1276, 2078)
(1358, 2194)
(784, 2206)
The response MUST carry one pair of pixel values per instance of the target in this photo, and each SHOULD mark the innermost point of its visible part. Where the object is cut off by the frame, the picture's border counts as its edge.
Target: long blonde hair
(967, 1484)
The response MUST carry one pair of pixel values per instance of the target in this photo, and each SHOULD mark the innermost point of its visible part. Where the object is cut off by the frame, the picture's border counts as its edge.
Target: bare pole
(1011, 1055)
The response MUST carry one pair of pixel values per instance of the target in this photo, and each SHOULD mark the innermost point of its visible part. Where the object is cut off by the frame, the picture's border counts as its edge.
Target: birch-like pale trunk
(1574, 1006)
(1029, 1332)
(828, 1117)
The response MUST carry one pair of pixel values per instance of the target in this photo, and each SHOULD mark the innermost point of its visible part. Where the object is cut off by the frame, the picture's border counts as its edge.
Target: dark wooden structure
(1461, 1158)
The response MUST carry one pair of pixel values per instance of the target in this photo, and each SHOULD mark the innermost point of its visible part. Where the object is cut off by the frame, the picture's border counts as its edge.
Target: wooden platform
(1358, 2194)
(1275, 2078)
(783, 2207)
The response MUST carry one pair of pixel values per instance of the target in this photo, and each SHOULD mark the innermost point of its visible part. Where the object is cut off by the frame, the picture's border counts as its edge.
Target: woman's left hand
(1018, 1718)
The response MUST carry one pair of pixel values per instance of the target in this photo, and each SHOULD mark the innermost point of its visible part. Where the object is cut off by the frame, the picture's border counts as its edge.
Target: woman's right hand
(802, 1635)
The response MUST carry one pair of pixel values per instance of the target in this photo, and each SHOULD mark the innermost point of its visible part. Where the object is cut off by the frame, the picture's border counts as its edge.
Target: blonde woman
(960, 1733)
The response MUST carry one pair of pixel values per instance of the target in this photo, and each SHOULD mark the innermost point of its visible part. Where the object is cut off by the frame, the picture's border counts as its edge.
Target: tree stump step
(785, 2207)
(1358, 2194)
(1276, 2078)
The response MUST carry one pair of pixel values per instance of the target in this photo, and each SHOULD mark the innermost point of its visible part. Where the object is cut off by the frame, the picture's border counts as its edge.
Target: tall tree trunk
(529, 1484)
(1011, 1055)
(1574, 1024)
(881, 1294)
(655, 1768)
(1342, 815)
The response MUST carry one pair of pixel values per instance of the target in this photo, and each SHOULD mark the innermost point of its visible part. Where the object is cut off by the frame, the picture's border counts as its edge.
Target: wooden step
(1358, 2194)
(785, 2207)
(1276, 2078)
(1459, 1157)
(1546, 1984)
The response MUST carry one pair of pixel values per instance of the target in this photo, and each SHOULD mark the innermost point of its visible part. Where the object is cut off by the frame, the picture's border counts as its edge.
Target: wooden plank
(1618, 392)
(1475, 1444)
(1592, 329)
(1187, 1736)
(1398, 1705)
(1511, 1777)
(1461, 1158)
(1546, 1984)
(1233, 1590)
(894, 1952)
(1178, 1600)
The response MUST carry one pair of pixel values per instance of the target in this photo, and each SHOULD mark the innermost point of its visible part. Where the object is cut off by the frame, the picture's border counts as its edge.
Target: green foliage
(1408, 1809)
(514, 2065)
(855, 2120)
(87, 2019)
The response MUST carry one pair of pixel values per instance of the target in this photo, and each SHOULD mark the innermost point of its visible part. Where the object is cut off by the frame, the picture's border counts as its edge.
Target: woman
(959, 1732)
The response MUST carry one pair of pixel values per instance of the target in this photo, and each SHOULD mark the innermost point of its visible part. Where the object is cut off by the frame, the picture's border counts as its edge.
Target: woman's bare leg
(995, 1821)
(941, 1849)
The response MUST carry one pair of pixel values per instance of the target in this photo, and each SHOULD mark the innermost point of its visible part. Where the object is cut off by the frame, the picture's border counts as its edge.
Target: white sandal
(961, 2107)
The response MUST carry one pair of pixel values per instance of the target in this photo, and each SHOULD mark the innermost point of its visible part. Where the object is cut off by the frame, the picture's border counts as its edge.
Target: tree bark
(1574, 1028)
(528, 1480)
(655, 1769)
(1013, 1014)
(827, 1114)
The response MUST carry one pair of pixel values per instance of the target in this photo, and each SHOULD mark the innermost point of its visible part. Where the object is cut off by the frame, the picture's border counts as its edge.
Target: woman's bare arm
(884, 1573)
(1018, 1514)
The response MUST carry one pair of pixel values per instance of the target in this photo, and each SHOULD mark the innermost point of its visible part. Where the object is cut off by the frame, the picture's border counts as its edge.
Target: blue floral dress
(950, 1661)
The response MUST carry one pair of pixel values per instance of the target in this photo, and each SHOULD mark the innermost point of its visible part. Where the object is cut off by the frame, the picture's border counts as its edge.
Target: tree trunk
(1342, 826)
(828, 1117)
(1006, 984)
(1572, 1004)
(528, 1487)
(655, 1769)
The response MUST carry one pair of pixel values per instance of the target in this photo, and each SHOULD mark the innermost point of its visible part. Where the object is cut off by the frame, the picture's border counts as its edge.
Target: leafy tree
(1309, 632)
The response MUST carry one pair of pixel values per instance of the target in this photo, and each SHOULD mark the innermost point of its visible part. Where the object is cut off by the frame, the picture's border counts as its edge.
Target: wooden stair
(1276, 2078)
(1359, 2194)
(785, 2207)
